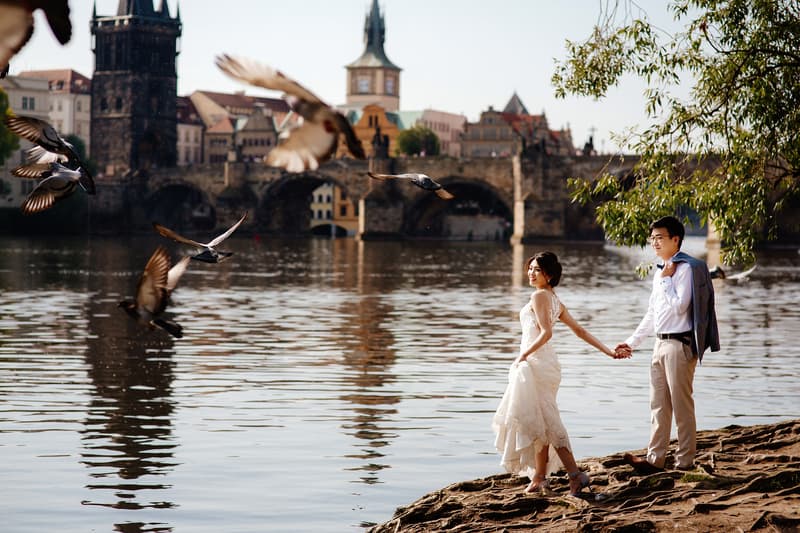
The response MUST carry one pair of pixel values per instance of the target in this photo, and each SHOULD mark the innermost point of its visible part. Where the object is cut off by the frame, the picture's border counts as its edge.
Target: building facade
(513, 131)
(134, 88)
(373, 78)
(333, 211)
(190, 133)
(31, 97)
(448, 127)
(70, 108)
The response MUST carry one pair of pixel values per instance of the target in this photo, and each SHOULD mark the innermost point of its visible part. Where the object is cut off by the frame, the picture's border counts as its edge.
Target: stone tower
(134, 87)
(372, 78)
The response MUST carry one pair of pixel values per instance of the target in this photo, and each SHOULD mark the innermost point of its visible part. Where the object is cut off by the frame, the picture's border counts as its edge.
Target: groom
(681, 314)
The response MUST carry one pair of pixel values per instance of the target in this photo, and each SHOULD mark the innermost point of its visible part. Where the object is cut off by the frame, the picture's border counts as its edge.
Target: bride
(527, 424)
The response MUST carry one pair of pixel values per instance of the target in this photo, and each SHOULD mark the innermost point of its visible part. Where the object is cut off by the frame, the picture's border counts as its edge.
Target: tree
(8, 141)
(731, 151)
(418, 140)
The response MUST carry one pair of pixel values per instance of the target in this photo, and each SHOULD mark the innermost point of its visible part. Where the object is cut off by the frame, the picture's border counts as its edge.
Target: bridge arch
(181, 206)
(285, 204)
(478, 212)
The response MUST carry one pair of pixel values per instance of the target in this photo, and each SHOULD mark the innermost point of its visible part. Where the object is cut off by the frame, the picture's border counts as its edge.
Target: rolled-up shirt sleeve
(645, 327)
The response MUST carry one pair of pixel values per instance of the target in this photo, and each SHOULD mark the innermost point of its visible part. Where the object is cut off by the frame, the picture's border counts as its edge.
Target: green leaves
(8, 141)
(731, 152)
(416, 140)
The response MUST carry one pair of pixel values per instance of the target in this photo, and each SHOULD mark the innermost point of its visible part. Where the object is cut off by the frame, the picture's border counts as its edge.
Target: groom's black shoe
(642, 466)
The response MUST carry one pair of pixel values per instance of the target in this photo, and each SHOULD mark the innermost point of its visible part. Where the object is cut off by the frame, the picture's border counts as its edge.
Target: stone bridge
(524, 199)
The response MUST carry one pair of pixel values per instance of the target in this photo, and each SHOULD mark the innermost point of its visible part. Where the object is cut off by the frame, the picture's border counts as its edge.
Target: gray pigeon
(53, 146)
(422, 181)
(153, 291)
(209, 253)
(57, 183)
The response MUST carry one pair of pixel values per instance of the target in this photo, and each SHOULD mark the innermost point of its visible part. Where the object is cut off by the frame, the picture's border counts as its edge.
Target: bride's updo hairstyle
(548, 262)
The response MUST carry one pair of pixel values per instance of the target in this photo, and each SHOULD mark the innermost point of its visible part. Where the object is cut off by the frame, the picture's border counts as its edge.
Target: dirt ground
(747, 479)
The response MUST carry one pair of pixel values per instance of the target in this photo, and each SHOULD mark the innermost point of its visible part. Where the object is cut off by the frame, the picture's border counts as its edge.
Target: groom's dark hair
(673, 226)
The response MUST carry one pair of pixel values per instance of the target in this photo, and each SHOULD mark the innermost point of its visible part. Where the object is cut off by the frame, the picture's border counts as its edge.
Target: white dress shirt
(669, 309)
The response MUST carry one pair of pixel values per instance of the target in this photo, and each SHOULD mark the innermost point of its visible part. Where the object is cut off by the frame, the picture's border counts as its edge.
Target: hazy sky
(457, 55)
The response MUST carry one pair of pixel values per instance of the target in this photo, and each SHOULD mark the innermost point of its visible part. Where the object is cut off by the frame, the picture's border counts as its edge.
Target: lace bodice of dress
(530, 329)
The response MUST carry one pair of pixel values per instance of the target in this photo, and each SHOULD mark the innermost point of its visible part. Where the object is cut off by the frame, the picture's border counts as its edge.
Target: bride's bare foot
(538, 484)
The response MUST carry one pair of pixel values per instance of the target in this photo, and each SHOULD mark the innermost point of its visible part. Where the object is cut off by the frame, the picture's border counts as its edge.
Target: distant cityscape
(130, 117)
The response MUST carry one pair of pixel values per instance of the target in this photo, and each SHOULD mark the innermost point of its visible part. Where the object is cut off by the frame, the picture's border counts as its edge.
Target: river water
(322, 383)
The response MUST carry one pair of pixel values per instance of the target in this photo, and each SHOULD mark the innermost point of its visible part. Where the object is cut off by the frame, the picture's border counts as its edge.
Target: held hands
(622, 351)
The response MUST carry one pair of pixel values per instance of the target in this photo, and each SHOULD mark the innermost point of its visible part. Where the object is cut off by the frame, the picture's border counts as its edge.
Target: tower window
(118, 104)
(390, 86)
(363, 84)
(103, 104)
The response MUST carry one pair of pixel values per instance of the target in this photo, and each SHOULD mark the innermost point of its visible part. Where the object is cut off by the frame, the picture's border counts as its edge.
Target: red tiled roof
(62, 80)
(234, 102)
(187, 113)
(223, 126)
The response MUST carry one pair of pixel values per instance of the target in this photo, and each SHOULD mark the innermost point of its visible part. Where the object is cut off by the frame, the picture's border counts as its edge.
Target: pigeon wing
(37, 154)
(38, 200)
(444, 195)
(304, 148)
(227, 233)
(261, 75)
(383, 177)
(57, 13)
(60, 184)
(16, 28)
(175, 273)
(169, 234)
(151, 289)
(36, 171)
(37, 131)
(350, 138)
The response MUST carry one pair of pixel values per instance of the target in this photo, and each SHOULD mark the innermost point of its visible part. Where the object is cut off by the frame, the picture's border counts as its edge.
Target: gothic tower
(134, 87)
(372, 78)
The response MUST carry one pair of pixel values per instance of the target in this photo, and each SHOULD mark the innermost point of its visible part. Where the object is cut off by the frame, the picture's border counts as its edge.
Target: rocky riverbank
(747, 479)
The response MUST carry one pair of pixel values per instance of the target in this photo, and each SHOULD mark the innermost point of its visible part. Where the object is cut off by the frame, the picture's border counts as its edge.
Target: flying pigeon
(422, 181)
(312, 142)
(53, 146)
(718, 273)
(16, 25)
(153, 290)
(57, 183)
(209, 253)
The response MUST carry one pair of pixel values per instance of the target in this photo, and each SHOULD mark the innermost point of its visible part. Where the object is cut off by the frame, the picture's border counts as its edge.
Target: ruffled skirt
(528, 418)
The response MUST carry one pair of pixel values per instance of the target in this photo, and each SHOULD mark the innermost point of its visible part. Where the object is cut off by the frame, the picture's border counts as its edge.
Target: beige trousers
(671, 377)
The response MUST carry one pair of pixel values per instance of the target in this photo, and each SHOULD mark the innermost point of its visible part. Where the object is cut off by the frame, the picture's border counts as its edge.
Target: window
(118, 104)
(103, 104)
(319, 214)
(363, 84)
(29, 103)
(78, 106)
(328, 199)
(328, 214)
(343, 211)
(389, 85)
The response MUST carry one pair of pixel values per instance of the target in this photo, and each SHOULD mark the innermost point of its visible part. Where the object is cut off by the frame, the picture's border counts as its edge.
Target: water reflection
(336, 376)
(368, 355)
(127, 442)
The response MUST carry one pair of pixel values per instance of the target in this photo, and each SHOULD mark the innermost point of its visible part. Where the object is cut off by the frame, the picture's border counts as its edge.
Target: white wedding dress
(528, 418)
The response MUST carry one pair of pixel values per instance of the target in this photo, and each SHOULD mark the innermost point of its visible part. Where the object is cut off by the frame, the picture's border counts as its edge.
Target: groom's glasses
(652, 239)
